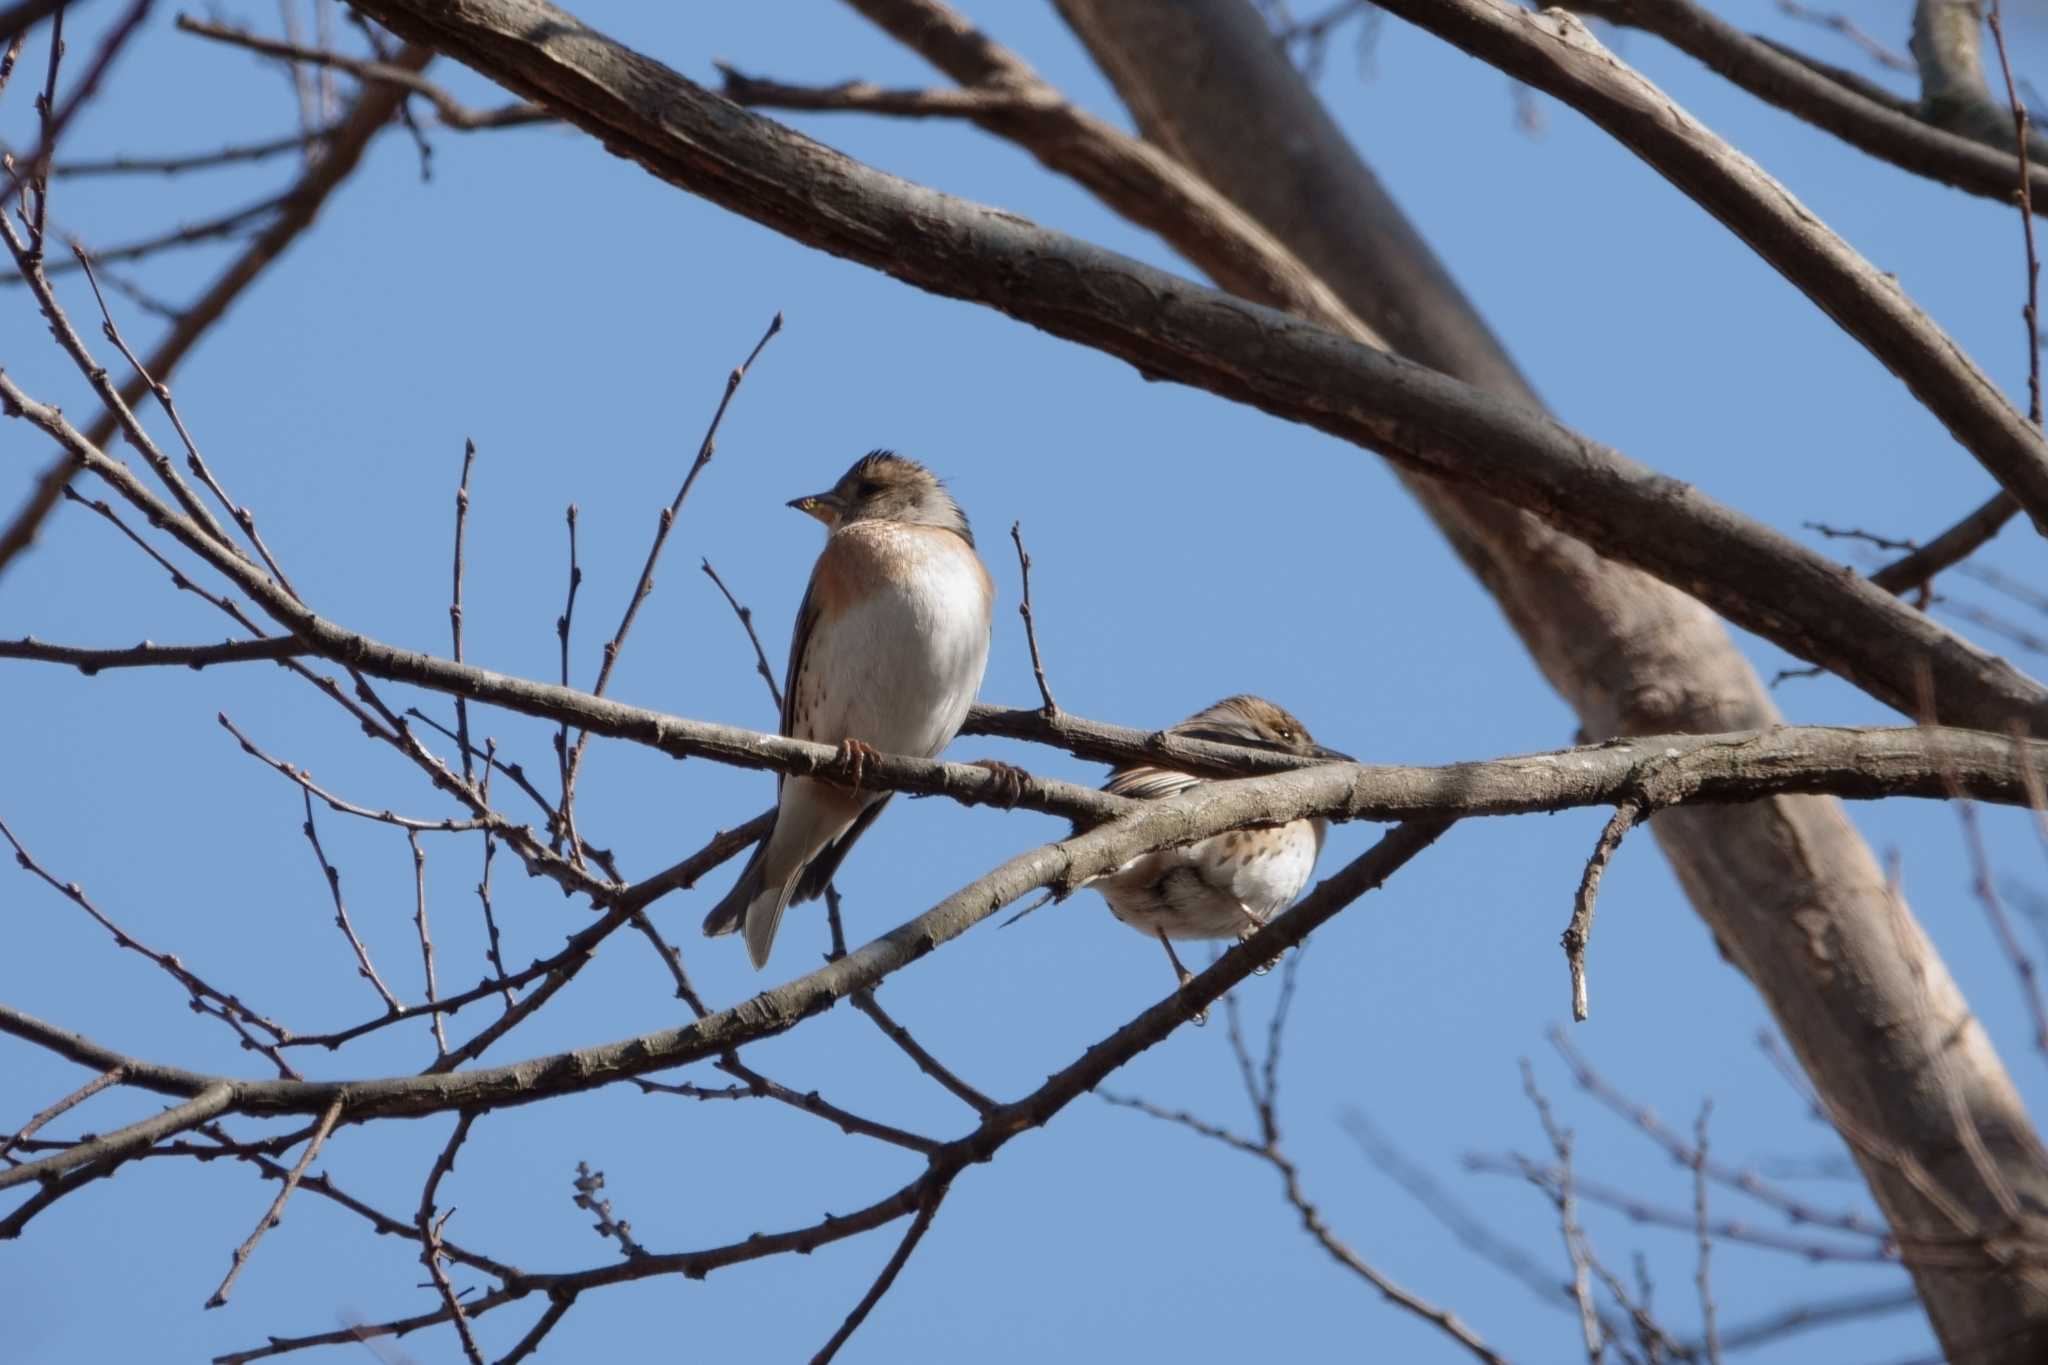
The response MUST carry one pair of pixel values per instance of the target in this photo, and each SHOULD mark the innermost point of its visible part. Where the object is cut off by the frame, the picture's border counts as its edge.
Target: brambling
(1228, 885)
(888, 653)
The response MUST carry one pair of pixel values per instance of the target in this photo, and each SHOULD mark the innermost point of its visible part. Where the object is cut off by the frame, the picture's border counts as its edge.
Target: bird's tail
(764, 917)
(753, 905)
(727, 916)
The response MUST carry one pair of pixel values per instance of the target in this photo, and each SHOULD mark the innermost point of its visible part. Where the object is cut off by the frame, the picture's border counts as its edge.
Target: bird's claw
(1249, 932)
(853, 757)
(1010, 781)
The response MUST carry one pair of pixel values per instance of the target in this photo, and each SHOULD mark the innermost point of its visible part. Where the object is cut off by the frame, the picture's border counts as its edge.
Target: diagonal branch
(1861, 115)
(340, 155)
(1362, 875)
(275, 1212)
(1557, 54)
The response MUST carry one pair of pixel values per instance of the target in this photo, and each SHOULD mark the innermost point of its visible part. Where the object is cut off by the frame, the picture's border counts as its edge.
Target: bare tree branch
(340, 155)
(995, 1131)
(447, 108)
(1560, 56)
(1891, 131)
(1421, 419)
(275, 1212)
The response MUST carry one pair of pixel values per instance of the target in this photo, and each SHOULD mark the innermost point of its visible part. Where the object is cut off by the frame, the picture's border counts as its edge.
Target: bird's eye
(868, 488)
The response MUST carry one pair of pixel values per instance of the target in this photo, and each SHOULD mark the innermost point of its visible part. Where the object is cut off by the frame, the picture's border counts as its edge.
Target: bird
(888, 652)
(1228, 885)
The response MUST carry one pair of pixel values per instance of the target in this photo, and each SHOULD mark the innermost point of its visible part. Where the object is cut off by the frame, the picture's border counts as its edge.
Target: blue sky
(577, 319)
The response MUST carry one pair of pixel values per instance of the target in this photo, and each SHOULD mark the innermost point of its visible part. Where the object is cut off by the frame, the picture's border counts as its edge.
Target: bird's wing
(799, 641)
(1143, 782)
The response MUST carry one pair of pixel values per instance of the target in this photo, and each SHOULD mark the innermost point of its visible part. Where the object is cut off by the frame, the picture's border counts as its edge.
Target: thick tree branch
(1948, 45)
(1864, 118)
(1772, 879)
(1690, 769)
(1557, 54)
(1172, 328)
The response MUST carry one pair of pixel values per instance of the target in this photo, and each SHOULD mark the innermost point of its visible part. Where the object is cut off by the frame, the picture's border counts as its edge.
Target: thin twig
(565, 826)
(746, 615)
(455, 611)
(383, 1223)
(1710, 1332)
(926, 1211)
(419, 878)
(1813, 1250)
(111, 1076)
(664, 524)
(1567, 1217)
(754, 1085)
(275, 1212)
(232, 223)
(1916, 569)
(333, 876)
(228, 1005)
(411, 824)
(1984, 884)
(865, 1002)
(672, 958)
(194, 461)
(588, 1183)
(603, 857)
(493, 951)
(1260, 1079)
(451, 112)
(343, 153)
(38, 169)
(1847, 28)
(1746, 1182)
(13, 52)
(149, 655)
(429, 1231)
(190, 161)
(559, 1303)
(2031, 312)
(1579, 932)
(302, 84)
(1052, 708)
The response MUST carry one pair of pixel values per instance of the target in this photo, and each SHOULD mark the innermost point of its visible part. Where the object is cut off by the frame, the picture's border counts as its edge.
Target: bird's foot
(1010, 781)
(854, 756)
(1248, 933)
(1185, 976)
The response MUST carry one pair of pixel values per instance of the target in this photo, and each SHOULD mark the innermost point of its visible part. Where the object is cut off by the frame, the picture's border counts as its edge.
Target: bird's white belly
(1207, 890)
(906, 662)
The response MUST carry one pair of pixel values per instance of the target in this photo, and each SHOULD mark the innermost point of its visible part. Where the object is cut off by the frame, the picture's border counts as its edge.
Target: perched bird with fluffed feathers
(1228, 885)
(888, 652)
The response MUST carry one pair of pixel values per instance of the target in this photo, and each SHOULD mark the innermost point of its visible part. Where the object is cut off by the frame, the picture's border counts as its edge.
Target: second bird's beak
(1329, 755)
(824, 506)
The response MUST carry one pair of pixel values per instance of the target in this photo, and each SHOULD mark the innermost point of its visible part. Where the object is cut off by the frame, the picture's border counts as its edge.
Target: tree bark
(1789, 889)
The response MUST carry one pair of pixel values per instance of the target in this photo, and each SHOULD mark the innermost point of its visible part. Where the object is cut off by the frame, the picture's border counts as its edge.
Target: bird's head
(885, 486)
(1254, 721)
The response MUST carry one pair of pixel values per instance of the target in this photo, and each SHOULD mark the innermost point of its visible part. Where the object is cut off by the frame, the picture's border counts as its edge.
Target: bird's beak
(826, 507)
(1329, 755)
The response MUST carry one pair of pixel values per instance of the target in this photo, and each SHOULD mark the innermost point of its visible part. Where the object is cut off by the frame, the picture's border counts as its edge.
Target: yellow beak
(822, 506)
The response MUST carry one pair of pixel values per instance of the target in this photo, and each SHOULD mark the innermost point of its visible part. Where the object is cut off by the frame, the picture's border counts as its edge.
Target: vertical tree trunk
(1788, 887)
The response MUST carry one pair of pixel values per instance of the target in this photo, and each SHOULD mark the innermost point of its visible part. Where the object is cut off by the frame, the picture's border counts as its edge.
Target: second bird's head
(1259, 724)
(884, 486)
